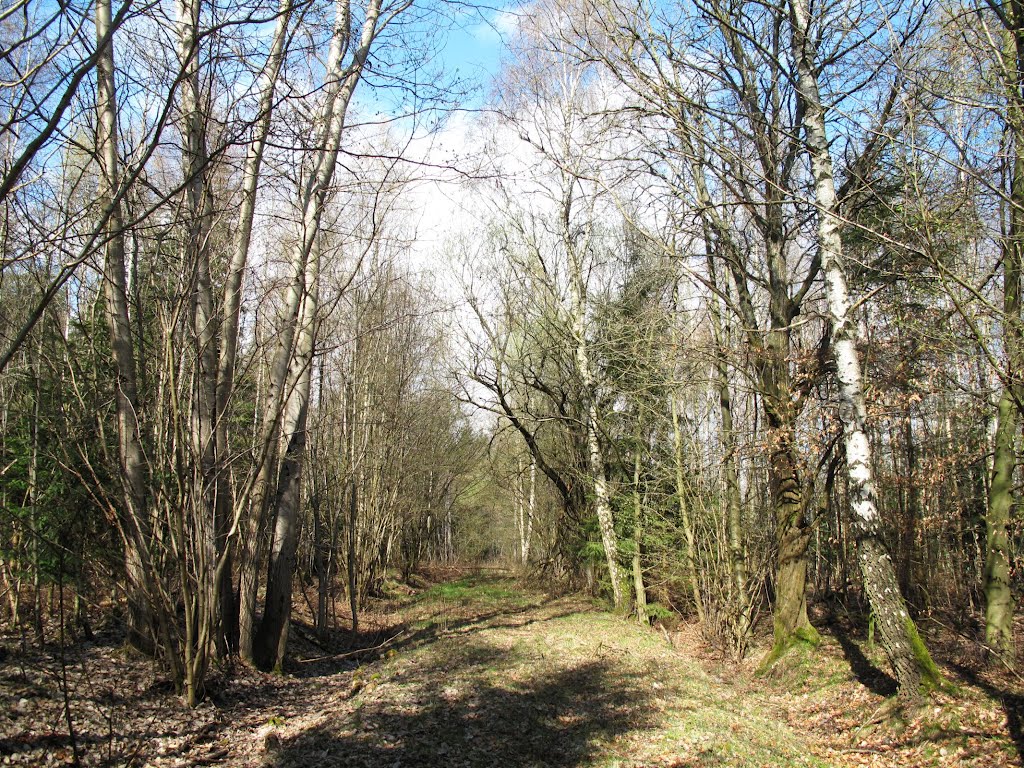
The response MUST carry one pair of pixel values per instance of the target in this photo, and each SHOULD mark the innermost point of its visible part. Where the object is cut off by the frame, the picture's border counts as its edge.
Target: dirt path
(490, 676)
(481, 671)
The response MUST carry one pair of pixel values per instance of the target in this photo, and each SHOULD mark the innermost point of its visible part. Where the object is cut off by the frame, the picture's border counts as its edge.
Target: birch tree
(903, 645)
(717, 123)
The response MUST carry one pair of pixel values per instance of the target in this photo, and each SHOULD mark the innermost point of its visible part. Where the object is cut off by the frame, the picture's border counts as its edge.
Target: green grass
(659, 706)
(541, 681)
(473, 589)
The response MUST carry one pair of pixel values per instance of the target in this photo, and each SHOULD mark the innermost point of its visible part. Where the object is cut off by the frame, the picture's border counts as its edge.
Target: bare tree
(903, 645)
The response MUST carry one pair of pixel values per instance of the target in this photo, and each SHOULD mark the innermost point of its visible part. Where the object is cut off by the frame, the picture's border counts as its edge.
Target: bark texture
(134, 468)
(345, 63)
(999, 601)
(903, 646)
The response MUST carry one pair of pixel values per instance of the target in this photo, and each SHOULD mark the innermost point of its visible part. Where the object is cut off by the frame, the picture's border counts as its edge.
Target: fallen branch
(991, 651)
(357, 651)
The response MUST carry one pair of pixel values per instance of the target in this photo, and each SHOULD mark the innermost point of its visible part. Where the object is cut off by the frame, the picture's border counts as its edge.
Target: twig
(992, 651)
(880, 715)
(213, 757)
(668, 639)
(76, 757)
(357, 651)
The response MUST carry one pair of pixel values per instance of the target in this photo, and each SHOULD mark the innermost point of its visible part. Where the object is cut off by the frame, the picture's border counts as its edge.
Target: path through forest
(481, 670)
(492, 675)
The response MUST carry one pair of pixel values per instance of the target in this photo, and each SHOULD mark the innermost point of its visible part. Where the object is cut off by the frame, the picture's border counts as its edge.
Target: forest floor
(481, 670)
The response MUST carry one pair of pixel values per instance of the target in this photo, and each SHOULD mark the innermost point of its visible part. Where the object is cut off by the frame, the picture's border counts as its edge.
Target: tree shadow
(558, 718)
(1011, 702)
(354, 649)
(867, 674)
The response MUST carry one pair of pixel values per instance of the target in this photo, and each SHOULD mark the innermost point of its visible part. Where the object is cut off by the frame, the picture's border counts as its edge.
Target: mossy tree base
(805, 637)
(931, 678)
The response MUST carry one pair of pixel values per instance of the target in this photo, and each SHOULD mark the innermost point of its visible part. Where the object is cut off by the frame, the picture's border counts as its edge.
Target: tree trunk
(198, 554)
(595, 453)
(770, 353)
(730, 479)
(903, 646)
(272, 637)
(690, 556)
(531, 504)
(791, 624)
(911, 512)
(341, 83)
(134, 470)
(520, 511)
(228, 516)
(999, 602)
(639, 589)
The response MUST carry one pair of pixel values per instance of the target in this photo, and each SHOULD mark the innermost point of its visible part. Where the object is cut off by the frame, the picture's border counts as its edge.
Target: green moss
(808, 635)
(804, 637)
(931, 678)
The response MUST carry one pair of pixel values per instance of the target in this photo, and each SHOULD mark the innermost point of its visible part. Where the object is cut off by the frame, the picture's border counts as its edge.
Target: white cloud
(500, 27)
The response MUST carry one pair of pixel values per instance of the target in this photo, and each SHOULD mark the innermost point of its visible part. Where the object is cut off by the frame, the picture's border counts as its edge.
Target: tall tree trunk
(999, 602)
(252, 541)
(342, 80)
(911, 511)
(531, 505)
(770, 352)
(520, 511)
(575, 249)
(134, 469)
(272, 637)
(639, 589)
(730, 476)
(228, 517)
(352, 497)
(682, 497)
(903, 646)
(198, 555)
(595, 464)
(792, 531)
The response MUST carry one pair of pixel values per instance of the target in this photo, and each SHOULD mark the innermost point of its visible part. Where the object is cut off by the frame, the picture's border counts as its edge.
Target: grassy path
(490, 676)
(482, 672)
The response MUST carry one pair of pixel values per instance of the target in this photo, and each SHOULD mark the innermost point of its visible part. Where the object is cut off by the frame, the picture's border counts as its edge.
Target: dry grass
(483, 670)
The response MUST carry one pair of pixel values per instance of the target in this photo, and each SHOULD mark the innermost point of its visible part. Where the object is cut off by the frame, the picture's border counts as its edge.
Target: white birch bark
(520, 510)
(575, 249)
(531, 506)
(899, 637)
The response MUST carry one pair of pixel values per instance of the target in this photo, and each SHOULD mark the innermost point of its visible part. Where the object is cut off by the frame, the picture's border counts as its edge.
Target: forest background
(713, 308)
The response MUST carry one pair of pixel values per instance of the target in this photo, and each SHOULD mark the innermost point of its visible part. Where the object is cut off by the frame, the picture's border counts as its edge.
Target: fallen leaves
(518, 680)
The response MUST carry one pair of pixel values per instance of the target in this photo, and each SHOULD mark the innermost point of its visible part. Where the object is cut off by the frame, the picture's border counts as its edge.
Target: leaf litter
(483, 670)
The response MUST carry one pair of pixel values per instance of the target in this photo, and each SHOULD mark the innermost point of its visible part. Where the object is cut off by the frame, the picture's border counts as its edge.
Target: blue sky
(473, 48)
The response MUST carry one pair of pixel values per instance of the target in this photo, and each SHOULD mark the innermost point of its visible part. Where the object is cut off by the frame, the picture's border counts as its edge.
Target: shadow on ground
(867, 674)
(1011, 702)
(364, 647)
(559, 717)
